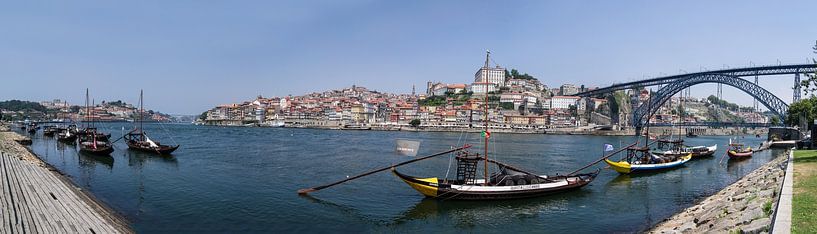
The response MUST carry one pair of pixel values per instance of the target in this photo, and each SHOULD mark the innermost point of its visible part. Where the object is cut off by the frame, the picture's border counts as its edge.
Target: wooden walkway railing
(35, 200)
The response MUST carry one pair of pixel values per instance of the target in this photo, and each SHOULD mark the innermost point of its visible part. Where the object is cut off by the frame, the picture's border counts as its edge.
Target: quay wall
(745, 206)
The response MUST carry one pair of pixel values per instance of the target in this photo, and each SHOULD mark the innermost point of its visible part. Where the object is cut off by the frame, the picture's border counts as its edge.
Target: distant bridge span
(732, 77)
(772, 102)
(736, 72)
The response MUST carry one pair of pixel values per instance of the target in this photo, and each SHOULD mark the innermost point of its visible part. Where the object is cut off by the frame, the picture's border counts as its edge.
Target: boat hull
(739, 155)
(624, 167)
(101, 151)
(162, 149)
(431, 187)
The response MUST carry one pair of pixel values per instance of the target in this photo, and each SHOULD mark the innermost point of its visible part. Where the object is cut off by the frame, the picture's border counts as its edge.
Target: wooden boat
(49, 131)
(691, 134)
(101, 148)
(138, 139)
(737, 151)
(640, 159)
(507, 184)
(92, 142)
(702, 151)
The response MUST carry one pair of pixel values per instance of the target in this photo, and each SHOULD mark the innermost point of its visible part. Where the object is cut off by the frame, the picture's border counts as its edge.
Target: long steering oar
(603, 158)
(309, 190)
(123, 136)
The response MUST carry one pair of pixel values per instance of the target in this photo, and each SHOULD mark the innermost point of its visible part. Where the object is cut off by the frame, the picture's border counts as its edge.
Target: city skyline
(189, 57)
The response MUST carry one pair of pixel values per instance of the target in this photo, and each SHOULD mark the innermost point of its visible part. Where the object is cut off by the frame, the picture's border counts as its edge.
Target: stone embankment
(746, 206)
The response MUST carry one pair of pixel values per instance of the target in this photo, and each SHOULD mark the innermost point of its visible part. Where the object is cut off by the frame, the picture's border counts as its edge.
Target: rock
(757, 226)
(766, 193)
(750, 214)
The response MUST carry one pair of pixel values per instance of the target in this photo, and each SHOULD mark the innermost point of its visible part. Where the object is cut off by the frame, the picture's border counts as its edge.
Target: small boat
(640, 159)
(691, 134)
(138, 139)
(65, 136)
(91, 141)
(702, 151)
(737, 151)
(49, 131)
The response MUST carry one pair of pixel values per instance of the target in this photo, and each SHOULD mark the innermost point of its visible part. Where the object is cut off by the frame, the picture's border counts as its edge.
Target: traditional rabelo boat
(640, 159)
(508, 182)
(737, 151)
(676, 147)
(49, 131)
(137, 139)
(67, 135)
(91, 141)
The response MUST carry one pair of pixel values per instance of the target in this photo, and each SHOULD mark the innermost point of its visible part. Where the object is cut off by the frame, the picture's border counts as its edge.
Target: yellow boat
(634, 164)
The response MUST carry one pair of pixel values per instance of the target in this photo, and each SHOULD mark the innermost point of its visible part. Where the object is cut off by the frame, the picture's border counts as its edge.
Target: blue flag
(608, 147)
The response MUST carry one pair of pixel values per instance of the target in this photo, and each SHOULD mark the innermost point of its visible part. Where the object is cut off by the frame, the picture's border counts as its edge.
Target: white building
(563, 102)
(480, 87)
(486, 73)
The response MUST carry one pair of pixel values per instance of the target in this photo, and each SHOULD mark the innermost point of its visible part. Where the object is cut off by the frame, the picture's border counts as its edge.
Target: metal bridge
(732, 77)
(714, 124)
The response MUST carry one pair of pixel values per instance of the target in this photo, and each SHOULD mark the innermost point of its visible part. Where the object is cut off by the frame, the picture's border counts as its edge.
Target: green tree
(203, 116)
(775, 120)
(415, 123)
(809, 85)
(506, 105)
(803, 111)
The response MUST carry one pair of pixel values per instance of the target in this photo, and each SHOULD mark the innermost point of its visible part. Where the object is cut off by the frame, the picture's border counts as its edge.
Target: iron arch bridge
(735, 72)
(772, 102)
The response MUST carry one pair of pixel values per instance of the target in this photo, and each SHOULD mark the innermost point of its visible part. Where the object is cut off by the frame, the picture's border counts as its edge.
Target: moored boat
(138, 139)
(639, 159)
(91, 141)
(737, 151)
(507, 184)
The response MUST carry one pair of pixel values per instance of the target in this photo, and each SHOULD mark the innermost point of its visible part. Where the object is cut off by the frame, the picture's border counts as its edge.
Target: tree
(775, 120)
(203, 116)
(803, 111)
(809, 85)
(415, 123)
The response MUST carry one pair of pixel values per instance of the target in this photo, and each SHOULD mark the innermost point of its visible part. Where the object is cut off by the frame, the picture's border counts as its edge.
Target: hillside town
(515, 101)
(59, 110)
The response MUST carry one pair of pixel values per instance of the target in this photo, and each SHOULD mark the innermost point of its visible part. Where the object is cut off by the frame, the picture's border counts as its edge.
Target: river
(237, 180)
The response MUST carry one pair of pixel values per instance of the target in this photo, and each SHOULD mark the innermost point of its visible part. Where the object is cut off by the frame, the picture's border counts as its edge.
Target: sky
(189, 56)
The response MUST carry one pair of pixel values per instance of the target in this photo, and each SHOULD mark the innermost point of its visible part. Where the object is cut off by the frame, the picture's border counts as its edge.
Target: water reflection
(139, 159)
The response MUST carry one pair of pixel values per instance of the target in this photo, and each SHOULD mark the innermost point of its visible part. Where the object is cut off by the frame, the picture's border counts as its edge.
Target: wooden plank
(44, 213)
(54, 213)
(88, 217)
(22, 219)
(5, 197)
(30, 202)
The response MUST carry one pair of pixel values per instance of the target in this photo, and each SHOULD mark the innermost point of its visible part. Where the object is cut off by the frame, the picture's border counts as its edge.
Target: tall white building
(486, 73)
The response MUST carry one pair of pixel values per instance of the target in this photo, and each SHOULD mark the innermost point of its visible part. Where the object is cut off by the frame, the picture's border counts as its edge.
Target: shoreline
(746, 206)
(11, 147)
(548, 131)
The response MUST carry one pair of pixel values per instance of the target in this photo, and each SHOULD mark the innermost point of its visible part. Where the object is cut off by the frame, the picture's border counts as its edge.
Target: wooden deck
(34, 199)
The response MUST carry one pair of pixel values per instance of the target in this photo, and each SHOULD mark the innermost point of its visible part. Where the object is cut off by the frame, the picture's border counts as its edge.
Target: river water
(237, 180)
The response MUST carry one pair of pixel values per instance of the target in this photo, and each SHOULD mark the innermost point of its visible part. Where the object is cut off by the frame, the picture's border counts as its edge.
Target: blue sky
(191, 55)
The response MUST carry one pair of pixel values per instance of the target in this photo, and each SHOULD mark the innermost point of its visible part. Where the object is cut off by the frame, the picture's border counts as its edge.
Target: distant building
(568, 89)
(483, 87)
(495, 75)
(563, 102)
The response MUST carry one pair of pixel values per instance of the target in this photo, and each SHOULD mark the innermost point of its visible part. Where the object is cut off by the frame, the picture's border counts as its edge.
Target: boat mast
(649, 115)
(485, 82)
(87, 110)
(141, 118)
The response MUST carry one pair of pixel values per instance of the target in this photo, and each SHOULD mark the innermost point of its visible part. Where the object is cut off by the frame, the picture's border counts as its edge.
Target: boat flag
(407, 147)
(486, 134)
(608, 147)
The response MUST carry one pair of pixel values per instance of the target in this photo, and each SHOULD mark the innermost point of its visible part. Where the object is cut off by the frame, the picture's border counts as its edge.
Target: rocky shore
(745, 206)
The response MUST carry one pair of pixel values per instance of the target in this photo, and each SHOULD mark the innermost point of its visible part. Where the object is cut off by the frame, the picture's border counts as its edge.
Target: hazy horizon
(190, 56)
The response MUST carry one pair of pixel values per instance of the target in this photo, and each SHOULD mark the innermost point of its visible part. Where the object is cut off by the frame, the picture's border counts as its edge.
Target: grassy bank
(804, 202)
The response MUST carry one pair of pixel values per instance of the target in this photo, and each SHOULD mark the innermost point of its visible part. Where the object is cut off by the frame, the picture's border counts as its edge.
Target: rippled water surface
(234, 179)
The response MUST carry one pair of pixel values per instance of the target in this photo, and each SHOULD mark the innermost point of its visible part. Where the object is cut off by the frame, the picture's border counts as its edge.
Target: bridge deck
(34, 199)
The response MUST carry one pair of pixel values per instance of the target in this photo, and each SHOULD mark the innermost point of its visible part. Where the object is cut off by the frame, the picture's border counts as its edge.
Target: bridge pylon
(796, 95)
